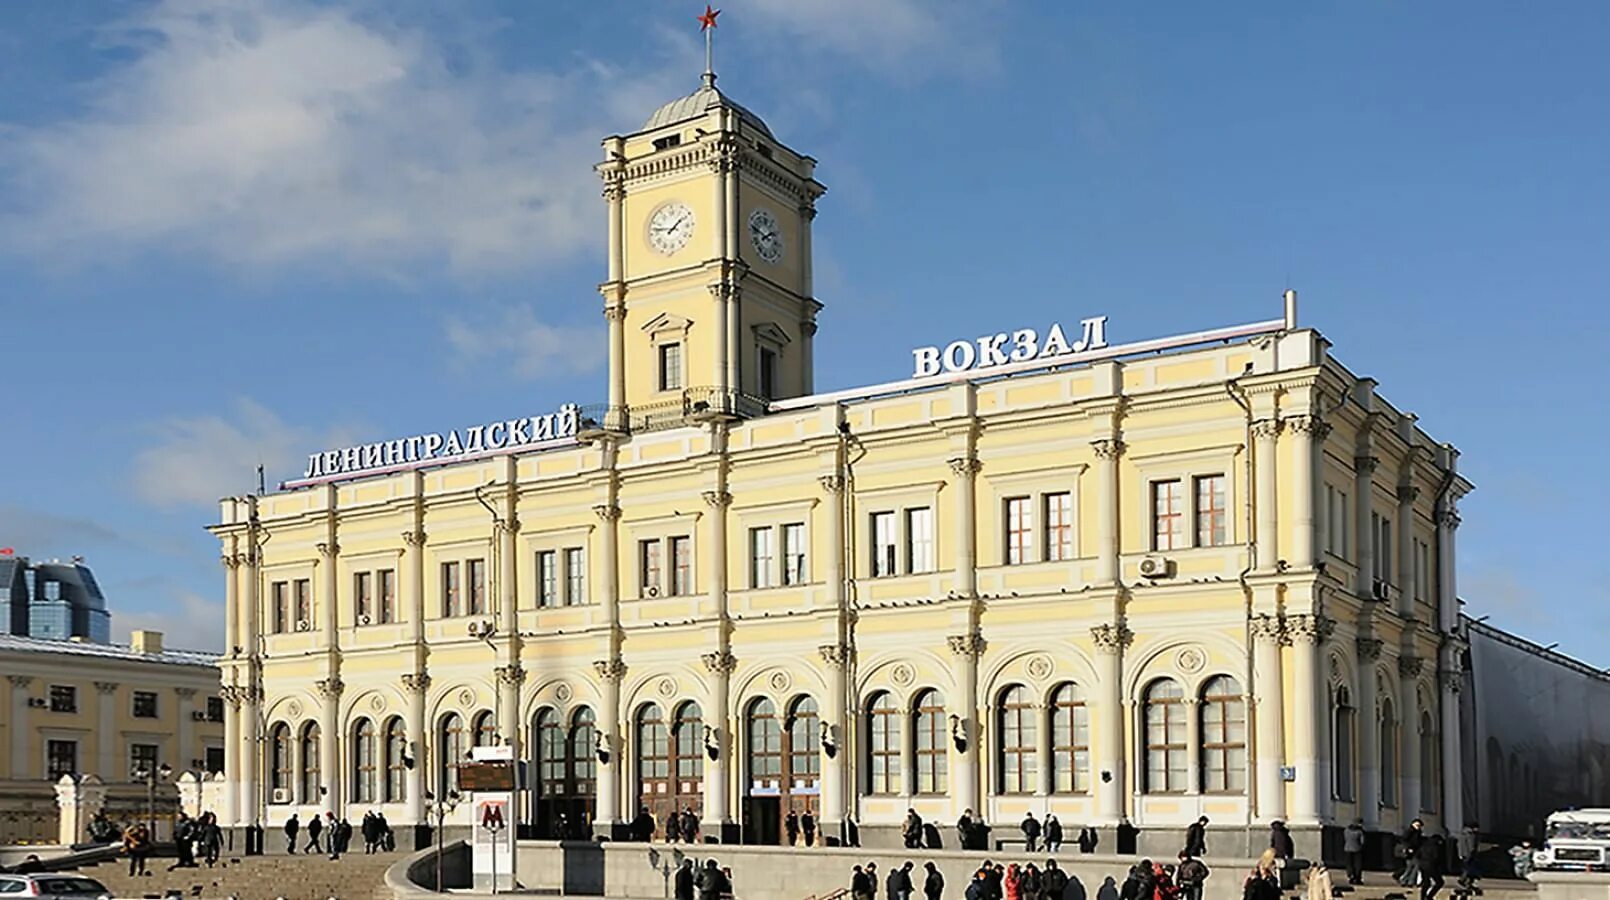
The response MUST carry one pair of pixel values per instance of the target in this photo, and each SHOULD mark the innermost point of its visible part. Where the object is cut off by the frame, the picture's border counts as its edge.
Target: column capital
(1408, 493)
(615, 312)
(1267, 628)
(329, 688)
(1112, 638)
(610, 669)
(20, 681)
(1308, 629)
(511, 675)
(414, 538)
(328, 549)
(720, 662)
(108, 687)
(718, 499)
(967, 645)
(965, 466)
(1108, 449)
(1365, 464)
(614, 187)
(231, 561)
(722, 290)
(416, 682)
(1369, 649)
(234, 695)
(1451, 679)
(1266, 429)
(1449, 519)
(184, 693)
(608, 512)
(831, 484)
(1410, 666)
(1309, 424)
(836, 655)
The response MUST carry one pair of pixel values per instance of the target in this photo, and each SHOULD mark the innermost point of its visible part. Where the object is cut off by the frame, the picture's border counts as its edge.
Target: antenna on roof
(260, 488)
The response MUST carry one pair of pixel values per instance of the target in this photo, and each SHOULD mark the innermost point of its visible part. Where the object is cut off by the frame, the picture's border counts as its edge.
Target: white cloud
(517, 341)
(200, 459)
(193, 623)
(904, 37)
(261, 132)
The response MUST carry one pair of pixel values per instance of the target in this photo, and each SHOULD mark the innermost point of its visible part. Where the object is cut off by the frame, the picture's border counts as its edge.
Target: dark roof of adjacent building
(121, 652)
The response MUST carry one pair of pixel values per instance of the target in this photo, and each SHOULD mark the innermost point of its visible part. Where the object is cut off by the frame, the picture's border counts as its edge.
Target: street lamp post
(150, 777)
(440, 808)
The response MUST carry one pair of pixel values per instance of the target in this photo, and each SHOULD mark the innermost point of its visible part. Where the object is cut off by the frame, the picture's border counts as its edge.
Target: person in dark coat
(673, 826)
(898, 885)
(1030, 827)
(1030, 883)
(712, 882)
(292, 826)
(791, 827)
(684, 880)
(1353, 848)
(690, 826)
(211, 838)
(643, 826)
(912, 830)
(1264, 881)
(964, 830)
(1413, 838)
(184, 835)
(807, 825)
(978, 888)
(370, 832)
(1087, 839)
(1053, 833)
(1190, 875)
(1433, 851)
(933, 886)
(1196, 838)
(1053, 881)
(315, 827)
(1280, 840)
(995, 879)
(861, 886)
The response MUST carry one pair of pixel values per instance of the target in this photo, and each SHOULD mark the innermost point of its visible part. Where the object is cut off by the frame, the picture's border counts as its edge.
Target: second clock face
(670, 227)
(766, 235)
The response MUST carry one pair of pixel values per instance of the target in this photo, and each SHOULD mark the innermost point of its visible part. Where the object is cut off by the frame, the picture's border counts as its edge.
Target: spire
(707, 24)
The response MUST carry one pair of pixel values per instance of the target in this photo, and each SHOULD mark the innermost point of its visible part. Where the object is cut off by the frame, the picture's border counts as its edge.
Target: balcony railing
(689, 406)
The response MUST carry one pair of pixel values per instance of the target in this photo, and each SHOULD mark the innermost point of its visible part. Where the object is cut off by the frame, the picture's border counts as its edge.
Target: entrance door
(784, 767)
(565, 784)
(670, 762)
(762, 820)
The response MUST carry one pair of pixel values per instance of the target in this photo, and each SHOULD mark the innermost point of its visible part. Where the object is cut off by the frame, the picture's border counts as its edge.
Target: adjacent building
(1204, 575)
(52, 600)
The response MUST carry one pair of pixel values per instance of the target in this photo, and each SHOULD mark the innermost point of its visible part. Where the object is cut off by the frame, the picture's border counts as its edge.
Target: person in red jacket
(1013, 883)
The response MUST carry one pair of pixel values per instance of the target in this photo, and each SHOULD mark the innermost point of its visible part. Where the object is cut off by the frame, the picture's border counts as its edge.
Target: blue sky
(241, 232)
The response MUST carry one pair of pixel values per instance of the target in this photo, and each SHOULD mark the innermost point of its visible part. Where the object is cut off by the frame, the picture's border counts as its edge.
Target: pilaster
(1111, 641)
(966, 730)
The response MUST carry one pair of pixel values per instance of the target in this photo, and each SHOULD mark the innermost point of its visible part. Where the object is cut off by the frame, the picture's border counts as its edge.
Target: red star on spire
(707, 19)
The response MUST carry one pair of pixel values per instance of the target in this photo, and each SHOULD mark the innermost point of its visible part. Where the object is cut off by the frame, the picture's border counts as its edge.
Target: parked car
(55, 885)
(1576, 839)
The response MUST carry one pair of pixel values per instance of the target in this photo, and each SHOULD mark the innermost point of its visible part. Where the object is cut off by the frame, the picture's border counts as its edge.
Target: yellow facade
(1115, 588)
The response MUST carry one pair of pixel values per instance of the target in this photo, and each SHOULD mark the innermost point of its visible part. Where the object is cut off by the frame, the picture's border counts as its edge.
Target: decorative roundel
(377, 703)
(294, 708)
(1039, 666)
(903, 675)
(1190, 660)
(780, 680)
(561, 692)
(667, 687)
(466, 697)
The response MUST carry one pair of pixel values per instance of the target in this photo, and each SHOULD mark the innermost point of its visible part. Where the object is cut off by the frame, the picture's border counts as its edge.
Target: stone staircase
(352, 877)
(1380, 886)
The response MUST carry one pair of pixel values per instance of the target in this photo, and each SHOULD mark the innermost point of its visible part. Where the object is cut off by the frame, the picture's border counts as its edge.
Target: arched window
(1070, 740)
(1389, 754)
(454, 749)
(1015, 725)
(549, 737)
(279, 779)
(933, 758)
(1165, 737)
(565, 772)
(883, 745)
(687, 742)
(804, 743)
(1342, 743)
(363, 761)
(1224, 736)
(653, 757)
(765, 746)
(486, 730)
(1429, 776)
(396, 768)
(311, 786)
(583, 746)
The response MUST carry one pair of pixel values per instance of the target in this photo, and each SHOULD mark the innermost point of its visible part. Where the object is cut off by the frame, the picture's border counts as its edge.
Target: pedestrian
(137, 844)
(1087, 839)
(1030, 826)
(1053, 833)
(388, 838)
(291, 828)
(1469, 846)
(673, 826)
(336, 840)
(1411, 842)
(1353, 848)
(1433, 851)
(1163, 887)
(1280, 841)
(861, 886)
(1263, 883)
(852, 832)
(1141, 884)
(690, 826)
(978, 888)
(1196, 838)
(807, 825)
(898, 885)
(212, 838)
(912, 830)
(712, 882)
(791, 826)
(933, 886)
(315, 827)
(1319, 883)
(643, 826)
(1053, 882)
(1029, 883)
(684, 877)
(184, 835)
(371, 835)
(964, 830)
(1521, 857)
(1191, 874)
(1012, 883)
(872, 879)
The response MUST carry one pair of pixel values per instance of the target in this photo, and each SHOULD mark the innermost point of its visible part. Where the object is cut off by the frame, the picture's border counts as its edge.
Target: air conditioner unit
(651, 591)
(1154, 567)
(282, 795)
(363, 620)
(37, 702)
(197, 715)
(304, 625)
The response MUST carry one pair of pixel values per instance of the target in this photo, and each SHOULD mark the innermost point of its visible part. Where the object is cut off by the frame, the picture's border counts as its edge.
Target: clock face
(765, 235)
(670, 227)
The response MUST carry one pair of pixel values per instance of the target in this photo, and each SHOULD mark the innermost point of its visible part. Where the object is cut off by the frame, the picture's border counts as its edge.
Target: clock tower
(709, 296)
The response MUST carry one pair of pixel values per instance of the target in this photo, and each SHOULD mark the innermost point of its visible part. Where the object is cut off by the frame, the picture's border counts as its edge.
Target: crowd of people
(680, 827)
(337, 834)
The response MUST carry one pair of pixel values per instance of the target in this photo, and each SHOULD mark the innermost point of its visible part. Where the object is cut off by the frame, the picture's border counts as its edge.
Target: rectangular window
(476, 577)
(143, 758)
(1422, 571)
(919, 540)
(1019, 531)
(63, 698)
(387, 588)
(280, 607)
(1341, 526)
(451, 601)
(883, 544)
(1058, 527)
(145, 705)
(681, 566)
(215, 709)
(762, 557)
(1168, 516)
(363, 600)
(768, 374)
(302, 588)
(650, 567)
(1383, 559)
(61, 758)
(1212, 516)
(670, 367)
(547, 579)
(215, 760)
(794, 571)
(575, 576)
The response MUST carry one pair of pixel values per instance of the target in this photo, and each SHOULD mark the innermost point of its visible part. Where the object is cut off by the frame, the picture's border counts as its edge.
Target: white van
(1576, 839)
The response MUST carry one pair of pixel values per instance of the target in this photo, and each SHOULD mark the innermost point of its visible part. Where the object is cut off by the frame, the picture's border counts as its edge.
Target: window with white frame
(1381, 544)
(919, 540)
(575, 576)
(884, 544)
(452, 583)
(650, 567)
(1422, 571)
(1019, 514)
(1212, 513)
(794, 570)
(363, 597)
(762, 557)
(1059, 527)
(547, 578)
(1168, 515)
(681, 565)
(303, 591)
(670, 367)
(475, 584)
(1337, 521)
(1165, 737)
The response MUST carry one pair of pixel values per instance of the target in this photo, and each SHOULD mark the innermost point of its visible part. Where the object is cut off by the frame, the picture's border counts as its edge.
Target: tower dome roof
(698, 103)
